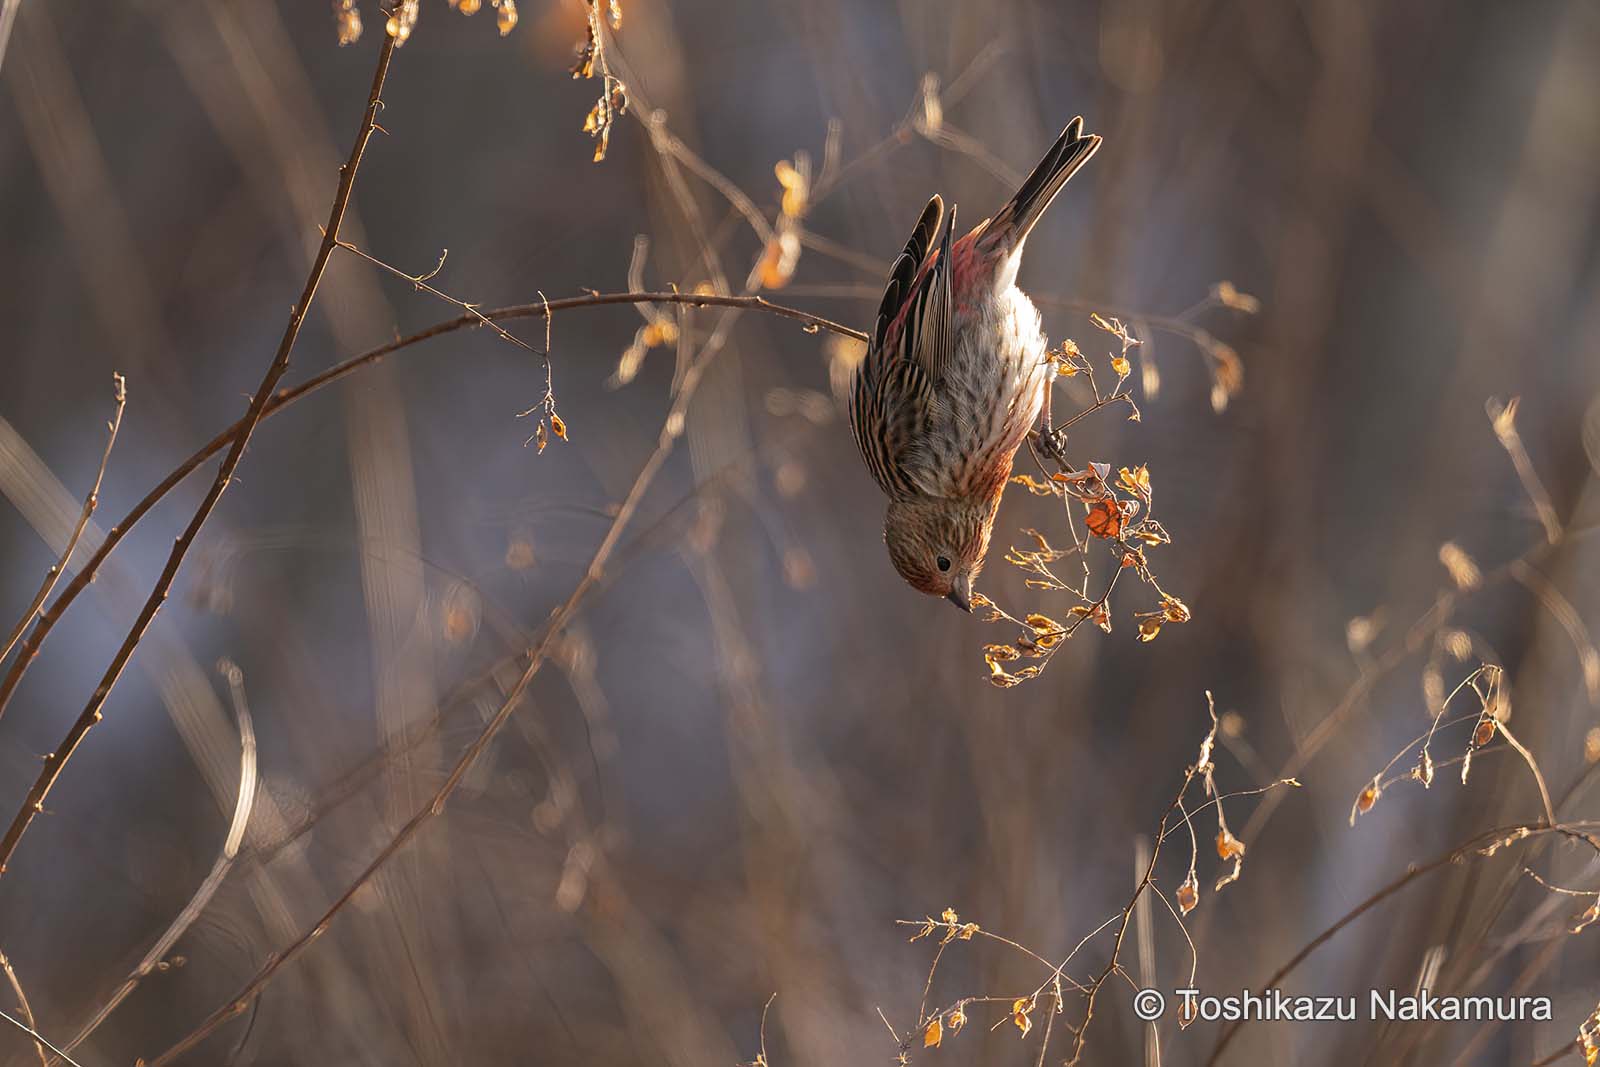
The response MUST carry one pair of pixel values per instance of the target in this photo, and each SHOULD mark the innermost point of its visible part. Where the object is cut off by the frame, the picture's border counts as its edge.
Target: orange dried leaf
(1188, 894)
(1019, 1015)
(1105, 518)
(1365, 800)
(1228, 846)
(934, 1034)
(506, 20)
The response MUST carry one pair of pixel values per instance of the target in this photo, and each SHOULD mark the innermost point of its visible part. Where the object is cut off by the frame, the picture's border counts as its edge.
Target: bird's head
(938, 545)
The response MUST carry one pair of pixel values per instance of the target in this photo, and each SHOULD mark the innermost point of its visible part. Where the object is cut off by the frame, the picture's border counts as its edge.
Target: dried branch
(39, 1039)
(92, 712)
(1483, 844)
(155, 959)
(22, 1003)
(90, 502)
(285, 397)
(1503, 418)
(671, 430)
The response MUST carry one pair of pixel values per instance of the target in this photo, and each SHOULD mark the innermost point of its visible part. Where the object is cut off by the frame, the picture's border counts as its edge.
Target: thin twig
(1482, 844)
(285, 397)
(420, 281)
(22, 1003)
(92, 712)
(39, 1039)
(90, 502)
(1503, 418)
(666, 441)
(242, 808)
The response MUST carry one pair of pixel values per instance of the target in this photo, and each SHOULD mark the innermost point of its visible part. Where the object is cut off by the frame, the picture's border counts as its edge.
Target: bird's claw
(1053, 443)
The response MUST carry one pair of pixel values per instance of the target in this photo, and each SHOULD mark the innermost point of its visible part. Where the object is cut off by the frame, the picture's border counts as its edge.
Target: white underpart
(995, 388)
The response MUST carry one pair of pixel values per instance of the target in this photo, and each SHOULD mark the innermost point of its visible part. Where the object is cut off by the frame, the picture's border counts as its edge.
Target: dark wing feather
(914, 317)
(903, 275)
(892, 396)
(1071, 151)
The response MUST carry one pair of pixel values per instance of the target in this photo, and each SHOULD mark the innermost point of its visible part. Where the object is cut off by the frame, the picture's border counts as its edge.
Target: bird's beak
(961, 593)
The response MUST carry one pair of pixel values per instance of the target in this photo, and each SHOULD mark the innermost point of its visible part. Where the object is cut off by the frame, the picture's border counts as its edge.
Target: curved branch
(243, 805)
(93, 710)
(536, 655)
(1484, 843)
(284, 397)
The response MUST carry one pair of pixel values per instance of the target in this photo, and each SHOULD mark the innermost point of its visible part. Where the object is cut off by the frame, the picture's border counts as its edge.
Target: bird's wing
(893, 397)
(914, 315)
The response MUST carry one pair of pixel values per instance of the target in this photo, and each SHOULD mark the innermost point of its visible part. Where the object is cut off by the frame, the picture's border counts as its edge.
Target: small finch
(954, 379)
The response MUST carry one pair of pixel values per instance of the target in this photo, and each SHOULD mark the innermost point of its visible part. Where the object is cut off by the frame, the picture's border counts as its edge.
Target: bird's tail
(1014, 221)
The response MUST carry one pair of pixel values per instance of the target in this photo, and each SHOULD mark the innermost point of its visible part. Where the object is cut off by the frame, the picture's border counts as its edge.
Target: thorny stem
(93, 710)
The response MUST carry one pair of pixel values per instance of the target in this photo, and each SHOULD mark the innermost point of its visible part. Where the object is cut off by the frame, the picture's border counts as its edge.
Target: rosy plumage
(954, 378)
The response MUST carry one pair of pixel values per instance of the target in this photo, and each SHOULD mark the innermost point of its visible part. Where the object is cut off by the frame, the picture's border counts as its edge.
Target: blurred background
(752, 750)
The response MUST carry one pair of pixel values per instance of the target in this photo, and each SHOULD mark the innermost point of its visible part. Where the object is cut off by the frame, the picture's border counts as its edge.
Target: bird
(954, 378)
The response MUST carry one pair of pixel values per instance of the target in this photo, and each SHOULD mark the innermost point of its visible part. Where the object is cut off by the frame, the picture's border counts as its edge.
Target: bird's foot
(1053, 443)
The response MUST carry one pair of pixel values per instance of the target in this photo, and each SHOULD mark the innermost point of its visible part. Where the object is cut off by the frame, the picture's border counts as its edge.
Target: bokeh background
(753, 750)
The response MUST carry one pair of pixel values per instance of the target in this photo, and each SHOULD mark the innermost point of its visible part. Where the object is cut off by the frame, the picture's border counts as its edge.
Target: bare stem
(93, 710)
(90, 502)
(1481, 844)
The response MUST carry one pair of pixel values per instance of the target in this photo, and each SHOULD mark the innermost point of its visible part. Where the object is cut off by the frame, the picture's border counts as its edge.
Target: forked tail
(1014, 221)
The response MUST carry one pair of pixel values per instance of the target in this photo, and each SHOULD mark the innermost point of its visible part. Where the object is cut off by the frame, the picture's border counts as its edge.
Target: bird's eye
(943, 562)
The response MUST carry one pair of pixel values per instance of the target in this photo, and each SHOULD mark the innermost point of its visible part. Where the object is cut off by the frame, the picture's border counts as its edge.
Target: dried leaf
(1232, 298)
(1135, 481)
(1365, 800)
(506, 19)
(1484, 732)
(1188, 894)
(1019, 1014)
(1105, 518)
